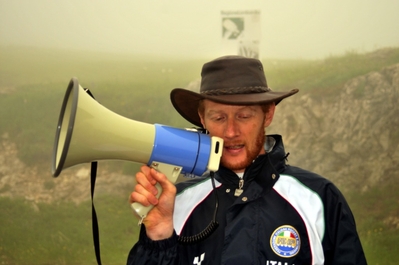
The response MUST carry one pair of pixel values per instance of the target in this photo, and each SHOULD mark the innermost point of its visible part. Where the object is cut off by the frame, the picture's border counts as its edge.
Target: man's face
(241, 127)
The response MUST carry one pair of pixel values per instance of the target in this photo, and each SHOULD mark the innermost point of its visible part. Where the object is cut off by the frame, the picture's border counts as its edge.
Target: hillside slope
(351, 136)
(344, 128)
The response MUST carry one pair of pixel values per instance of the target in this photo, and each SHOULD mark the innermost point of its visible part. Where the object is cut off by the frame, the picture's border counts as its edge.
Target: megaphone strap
(96, 234)
(94, 220)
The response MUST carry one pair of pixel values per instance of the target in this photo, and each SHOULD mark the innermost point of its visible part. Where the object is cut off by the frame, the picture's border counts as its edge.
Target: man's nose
(232, 129)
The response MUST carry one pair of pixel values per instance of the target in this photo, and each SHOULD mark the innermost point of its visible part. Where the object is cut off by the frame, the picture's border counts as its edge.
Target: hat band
(235, 90)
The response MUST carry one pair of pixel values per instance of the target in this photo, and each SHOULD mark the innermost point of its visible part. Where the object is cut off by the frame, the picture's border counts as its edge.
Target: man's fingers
(159, 177)
(146, 192)
(136, 197)
(147, 182)
(142, 196)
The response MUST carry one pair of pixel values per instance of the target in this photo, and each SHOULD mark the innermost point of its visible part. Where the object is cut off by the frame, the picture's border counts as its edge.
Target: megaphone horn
(87, 131)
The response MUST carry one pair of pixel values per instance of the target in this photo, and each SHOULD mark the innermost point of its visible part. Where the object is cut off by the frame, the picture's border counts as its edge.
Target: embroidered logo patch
(285, 241)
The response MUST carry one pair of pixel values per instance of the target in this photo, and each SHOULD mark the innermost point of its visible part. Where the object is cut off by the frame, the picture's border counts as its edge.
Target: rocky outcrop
(350, 136)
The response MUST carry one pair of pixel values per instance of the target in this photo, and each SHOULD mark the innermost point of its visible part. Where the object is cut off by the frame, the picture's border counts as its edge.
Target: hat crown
(229, 75)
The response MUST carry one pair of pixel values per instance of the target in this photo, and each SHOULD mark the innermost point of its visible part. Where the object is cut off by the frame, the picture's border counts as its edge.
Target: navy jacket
(284, 216)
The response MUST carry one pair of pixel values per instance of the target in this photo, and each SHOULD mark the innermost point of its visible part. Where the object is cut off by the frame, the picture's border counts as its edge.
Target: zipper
(239, 191)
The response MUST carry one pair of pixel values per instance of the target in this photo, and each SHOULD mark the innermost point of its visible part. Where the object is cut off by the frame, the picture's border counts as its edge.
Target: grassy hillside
(32, 86)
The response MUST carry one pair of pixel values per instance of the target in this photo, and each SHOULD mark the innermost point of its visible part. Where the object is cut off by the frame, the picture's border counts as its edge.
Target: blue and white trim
(310, 207)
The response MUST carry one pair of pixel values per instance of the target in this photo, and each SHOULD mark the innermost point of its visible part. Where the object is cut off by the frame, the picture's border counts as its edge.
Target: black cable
(213, 225)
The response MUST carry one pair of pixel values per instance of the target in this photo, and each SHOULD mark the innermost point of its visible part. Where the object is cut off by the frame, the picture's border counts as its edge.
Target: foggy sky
(309, 29)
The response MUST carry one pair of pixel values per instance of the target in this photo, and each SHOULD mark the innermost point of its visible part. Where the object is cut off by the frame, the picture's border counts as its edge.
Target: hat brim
(186, 101)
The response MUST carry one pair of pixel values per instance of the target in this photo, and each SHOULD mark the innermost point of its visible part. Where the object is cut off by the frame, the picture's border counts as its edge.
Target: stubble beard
(252, 151)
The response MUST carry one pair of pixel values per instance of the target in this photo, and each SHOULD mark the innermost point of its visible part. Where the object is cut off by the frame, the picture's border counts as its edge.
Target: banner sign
(241, 33)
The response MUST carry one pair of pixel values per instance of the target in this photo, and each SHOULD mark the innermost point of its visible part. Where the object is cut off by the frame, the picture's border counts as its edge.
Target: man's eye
(244, 116)
(218, 118)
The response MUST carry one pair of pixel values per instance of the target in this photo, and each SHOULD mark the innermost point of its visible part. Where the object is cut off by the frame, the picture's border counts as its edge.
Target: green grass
(377, 217)
(62, 233)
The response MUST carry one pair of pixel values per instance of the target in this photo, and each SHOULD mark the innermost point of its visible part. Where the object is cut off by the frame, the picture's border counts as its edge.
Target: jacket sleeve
(341, 241)
(149, 252)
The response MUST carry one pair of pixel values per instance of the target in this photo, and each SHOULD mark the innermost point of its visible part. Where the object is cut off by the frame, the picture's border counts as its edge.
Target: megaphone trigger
(172, 172)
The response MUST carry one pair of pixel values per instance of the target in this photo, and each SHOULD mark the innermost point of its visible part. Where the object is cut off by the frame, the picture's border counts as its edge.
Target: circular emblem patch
(285, 241)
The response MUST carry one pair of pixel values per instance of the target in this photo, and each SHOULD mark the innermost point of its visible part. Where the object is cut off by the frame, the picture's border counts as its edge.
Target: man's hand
(159, 221)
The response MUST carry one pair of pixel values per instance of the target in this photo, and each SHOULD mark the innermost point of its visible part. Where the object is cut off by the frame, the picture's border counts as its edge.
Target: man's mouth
(232, 148)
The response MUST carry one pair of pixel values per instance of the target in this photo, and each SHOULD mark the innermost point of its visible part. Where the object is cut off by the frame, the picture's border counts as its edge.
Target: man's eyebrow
(212, 111)
(249, 107)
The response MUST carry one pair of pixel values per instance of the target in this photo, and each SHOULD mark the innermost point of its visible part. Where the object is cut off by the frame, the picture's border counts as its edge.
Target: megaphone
(87, 132)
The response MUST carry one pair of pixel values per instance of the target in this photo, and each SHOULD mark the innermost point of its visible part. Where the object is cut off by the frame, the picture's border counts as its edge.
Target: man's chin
(236, 165)
(240, 162)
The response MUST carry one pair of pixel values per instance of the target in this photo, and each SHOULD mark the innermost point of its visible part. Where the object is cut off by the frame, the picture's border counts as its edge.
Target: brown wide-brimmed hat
(232, 80)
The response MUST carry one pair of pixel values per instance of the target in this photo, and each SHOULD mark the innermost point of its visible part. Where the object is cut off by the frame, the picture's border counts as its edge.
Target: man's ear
(269, 115)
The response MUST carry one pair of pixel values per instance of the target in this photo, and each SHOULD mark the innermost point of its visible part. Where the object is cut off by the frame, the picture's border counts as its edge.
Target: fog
(307, 29)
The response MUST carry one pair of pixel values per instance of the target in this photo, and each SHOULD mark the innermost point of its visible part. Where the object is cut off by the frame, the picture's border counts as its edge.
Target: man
(267, 212)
